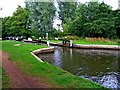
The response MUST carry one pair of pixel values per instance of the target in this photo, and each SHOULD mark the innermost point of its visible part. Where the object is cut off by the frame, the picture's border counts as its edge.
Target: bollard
(48, 43)
(70, 43)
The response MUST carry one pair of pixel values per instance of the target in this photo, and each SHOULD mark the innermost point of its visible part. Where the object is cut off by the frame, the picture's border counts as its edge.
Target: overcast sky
(9, 6)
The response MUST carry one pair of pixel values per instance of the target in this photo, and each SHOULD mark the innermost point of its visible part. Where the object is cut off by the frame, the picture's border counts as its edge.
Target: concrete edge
(90, 46)
(46, 50)
(115, 47)
(36, 57)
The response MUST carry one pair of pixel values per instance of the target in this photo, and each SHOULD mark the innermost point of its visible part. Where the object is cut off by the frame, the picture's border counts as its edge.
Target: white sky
(9, 6)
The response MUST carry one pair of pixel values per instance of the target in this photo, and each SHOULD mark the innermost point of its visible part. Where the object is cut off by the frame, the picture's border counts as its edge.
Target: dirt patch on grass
(18, 78)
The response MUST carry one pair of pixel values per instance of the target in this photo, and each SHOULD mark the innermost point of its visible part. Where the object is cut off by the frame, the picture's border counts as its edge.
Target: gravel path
(18, 78)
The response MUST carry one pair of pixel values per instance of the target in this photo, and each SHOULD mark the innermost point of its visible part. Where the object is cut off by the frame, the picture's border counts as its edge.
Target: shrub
(33, 38)
(57, 33)
(98, 39)
(118, 42)
(72, 37)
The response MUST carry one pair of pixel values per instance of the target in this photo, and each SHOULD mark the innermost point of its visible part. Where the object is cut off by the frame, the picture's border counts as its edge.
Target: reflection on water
(100, 66)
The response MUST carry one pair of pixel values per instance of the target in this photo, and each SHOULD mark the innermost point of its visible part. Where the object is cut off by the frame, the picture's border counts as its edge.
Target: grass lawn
(54, 41)
(28, 64)
(83, 41)
(95, 42)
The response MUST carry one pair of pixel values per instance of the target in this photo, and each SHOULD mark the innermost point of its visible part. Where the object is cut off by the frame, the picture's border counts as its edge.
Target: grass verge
(83, 41)
(54, 41)
(6, 83)
(27, 63)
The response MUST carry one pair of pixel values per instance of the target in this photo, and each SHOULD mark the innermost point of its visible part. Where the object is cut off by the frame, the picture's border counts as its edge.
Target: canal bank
(80, 46)
(108, 79)
(59, 78)
(100, 66)
(90, 46)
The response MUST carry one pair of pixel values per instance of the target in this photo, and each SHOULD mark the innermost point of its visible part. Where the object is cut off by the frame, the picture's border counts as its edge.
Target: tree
(116, 14)
(94, 19)
(16, 24)
(6, 24)
(100, 28)
(0, 27)
(67, 11)
(41, 15)
(76, 27)
(20, 22)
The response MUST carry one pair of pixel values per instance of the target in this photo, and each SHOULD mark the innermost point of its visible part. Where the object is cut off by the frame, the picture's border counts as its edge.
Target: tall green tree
(67, 13)
(67, 10)
(16, 25)
(116, 14)
(94, 19)
(100, 28)
(0, 27)
(6, 27)
(20, 22)
(41, 15)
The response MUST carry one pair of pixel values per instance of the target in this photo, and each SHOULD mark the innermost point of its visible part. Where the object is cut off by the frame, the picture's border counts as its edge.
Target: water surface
(101, 66)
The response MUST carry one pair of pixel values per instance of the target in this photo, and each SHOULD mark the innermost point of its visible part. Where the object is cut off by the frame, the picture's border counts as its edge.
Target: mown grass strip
(6, 83)
(54, 41)
(94, 42)
(83, 41)
(31, 66)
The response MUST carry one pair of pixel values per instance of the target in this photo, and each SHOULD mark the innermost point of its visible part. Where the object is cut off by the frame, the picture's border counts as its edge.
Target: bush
(33, 38)
(72, 37)
(97, 39)
(57, 33)
(118, 42)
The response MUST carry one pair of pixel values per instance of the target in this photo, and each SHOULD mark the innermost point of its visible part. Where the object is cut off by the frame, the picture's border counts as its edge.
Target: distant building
(57, 24)
(119, 4)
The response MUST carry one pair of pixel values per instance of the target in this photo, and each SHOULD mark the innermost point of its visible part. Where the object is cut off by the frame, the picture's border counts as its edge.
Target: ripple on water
(110, 80)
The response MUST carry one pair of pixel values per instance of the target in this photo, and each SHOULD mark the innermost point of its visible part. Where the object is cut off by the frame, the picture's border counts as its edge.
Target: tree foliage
(16, 25)
(116, 13)
(41, 15)
(67, 11)
(92, 19)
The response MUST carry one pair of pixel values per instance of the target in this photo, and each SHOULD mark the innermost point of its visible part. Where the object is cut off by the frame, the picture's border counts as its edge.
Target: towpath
(18, 78)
